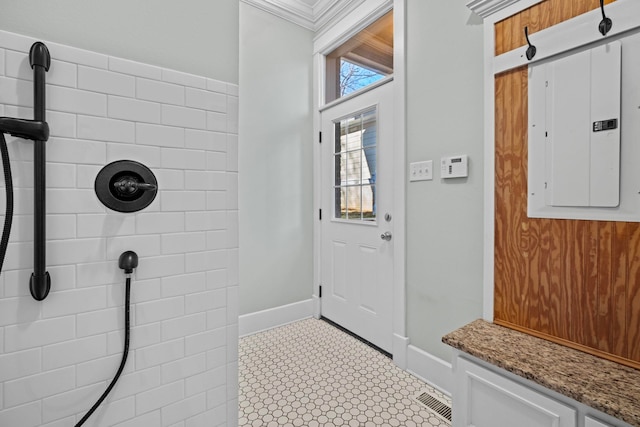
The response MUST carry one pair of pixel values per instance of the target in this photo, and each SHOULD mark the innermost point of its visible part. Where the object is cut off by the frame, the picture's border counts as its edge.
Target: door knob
(386, 236)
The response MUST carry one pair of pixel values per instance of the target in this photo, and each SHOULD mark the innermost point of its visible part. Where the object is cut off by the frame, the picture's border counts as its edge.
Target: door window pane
(355, 159)
(354, 203)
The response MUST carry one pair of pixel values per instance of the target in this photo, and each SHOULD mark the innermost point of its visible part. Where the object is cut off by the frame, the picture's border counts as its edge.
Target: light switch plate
(421, 171)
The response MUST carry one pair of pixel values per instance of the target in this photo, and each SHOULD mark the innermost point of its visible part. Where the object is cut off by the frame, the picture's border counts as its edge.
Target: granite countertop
(601, 384)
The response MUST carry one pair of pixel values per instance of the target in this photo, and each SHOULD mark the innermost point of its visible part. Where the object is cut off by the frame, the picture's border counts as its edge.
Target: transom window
(362, 60)
(355, 156)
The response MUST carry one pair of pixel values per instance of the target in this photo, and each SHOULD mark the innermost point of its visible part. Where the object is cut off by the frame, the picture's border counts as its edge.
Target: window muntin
(355, 159)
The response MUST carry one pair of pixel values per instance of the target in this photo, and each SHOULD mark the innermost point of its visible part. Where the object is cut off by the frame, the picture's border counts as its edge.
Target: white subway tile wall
(57, 356)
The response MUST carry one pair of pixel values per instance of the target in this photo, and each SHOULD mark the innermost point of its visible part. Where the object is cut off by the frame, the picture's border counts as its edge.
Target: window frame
(332, 64)
(336, 123)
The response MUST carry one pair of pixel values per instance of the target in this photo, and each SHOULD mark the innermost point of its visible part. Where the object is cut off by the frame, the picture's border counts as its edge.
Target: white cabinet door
(591, 422)
(486, 399)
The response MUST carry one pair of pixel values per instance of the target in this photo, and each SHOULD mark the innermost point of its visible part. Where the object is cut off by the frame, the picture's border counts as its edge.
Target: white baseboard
(252, 323)
(430, 369)
(317, 306)
(400, 346)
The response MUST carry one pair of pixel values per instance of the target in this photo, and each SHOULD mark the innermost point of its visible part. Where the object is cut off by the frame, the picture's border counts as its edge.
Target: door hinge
(320, 214)
(320, 137)
(320, 292)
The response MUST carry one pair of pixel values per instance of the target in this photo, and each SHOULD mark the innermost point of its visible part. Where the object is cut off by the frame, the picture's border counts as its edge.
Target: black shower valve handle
(126, 186)
(131, 186)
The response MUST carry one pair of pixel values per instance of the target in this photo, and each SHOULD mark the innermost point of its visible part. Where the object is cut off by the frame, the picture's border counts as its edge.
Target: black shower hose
(8, 219)
(125, 352)
(8, 216)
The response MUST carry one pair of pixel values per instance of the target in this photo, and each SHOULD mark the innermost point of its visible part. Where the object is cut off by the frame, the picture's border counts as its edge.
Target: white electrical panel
(454, 167)
(583, 136)
(576, 116)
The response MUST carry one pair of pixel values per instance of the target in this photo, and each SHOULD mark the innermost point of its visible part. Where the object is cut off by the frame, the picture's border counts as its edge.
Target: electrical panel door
(582, 139)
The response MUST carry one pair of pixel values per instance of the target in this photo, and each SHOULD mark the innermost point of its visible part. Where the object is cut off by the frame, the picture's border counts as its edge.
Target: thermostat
(454, 167)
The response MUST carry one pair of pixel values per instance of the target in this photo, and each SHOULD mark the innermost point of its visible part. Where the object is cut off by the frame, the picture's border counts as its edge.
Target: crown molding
(327, 12)
(314, 18)
(290, 10)
(486, 8)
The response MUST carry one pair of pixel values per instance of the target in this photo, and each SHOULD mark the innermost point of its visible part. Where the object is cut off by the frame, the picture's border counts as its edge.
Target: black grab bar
(40, 283)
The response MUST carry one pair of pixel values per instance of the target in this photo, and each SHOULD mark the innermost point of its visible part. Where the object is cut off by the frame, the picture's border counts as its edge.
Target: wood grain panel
(544, 268)
(500, 220)
(556, 326)
(509, 33)
(590, 291)
(509, 161)
(603, 330)
(633, 294)
(574, 282)
(573, 274)
(620, 251)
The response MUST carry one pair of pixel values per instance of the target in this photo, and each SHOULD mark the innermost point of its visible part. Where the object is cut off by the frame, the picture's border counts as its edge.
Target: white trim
(399, 169)
(357, 93)
(366, 13)
(314, 18)
(489, 174)
(431, 369)
(513, 9)
(497, 10)
(349, 25)
(296, 12)
(251, 323)
(318, 77)
(325, 16)
(485, 8)
(400, 345)
(317, 307)
(572, 34)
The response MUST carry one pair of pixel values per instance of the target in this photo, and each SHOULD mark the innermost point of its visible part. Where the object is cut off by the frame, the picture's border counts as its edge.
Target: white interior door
(357, 219)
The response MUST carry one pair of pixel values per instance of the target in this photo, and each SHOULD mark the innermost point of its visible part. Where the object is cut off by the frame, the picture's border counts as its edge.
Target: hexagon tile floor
(311, 374)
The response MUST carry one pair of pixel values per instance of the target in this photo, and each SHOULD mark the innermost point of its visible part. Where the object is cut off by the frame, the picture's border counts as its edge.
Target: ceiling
(311, 14)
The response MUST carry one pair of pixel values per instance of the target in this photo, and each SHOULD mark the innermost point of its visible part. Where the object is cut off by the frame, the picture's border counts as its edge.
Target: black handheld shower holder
(38, 131)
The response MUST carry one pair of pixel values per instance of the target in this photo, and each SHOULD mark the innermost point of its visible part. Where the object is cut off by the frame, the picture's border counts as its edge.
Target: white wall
(275, 156)
(198, 36)
(444, 117)
(57, 356)
(444, 217)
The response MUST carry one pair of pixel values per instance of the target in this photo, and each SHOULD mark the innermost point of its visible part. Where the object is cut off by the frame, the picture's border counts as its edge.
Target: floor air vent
(436, 405)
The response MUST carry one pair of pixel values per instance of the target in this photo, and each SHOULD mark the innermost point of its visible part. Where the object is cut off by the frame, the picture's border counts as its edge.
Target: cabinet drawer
(592, 422)
(484, 398)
